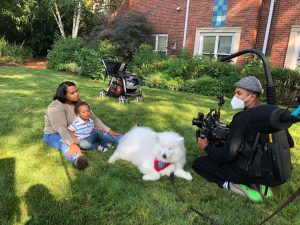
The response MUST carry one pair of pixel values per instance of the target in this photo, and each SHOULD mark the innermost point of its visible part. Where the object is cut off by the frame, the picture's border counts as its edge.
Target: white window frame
(156, 42)
(235, 32)
(298, 50)
(217, 35)
(292, 54)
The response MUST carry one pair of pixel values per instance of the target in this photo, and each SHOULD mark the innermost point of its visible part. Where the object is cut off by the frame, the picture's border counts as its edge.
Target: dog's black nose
(164, 156)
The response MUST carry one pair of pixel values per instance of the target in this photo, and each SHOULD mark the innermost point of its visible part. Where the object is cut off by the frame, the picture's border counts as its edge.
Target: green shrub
(227, 83)
(90, 59)
(158, 80)
(174, 84)
(145, 61)
(90, 64)
(178, 67)
(253, 67)
(13, 52)
(211, 67)
(204, 85)
(64, 51)
(189, 86)
(71, 67)
(286, 81)
(128, 30)
(287, 84)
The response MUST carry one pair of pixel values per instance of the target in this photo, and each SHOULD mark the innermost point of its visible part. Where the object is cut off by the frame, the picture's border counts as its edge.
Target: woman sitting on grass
(59, 115)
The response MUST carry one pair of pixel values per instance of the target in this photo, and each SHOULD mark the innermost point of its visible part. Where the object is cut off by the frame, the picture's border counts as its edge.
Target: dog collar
(160, 165)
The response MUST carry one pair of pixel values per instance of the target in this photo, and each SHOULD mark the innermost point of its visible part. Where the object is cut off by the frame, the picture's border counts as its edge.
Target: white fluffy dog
(155, 154)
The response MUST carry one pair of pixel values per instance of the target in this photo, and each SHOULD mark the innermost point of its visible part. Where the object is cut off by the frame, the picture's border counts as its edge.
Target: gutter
(268, 26)
(186, 22)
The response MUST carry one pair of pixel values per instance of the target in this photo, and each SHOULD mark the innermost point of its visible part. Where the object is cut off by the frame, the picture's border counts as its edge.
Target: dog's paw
(188, 176)
(151, 176)
(183, 174)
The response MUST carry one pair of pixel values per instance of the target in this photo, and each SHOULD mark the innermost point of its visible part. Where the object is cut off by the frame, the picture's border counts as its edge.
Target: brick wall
(286, 14)
(250, 15)
(163, 18)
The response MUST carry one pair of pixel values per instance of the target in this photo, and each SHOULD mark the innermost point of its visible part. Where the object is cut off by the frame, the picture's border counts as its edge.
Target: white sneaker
(100, 148)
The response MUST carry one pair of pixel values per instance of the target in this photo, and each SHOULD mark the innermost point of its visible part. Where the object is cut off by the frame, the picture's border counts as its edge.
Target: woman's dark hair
(62, 91)
(78, 104)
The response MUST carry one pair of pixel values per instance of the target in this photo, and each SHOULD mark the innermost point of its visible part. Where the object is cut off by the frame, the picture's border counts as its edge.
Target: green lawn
(37, 186)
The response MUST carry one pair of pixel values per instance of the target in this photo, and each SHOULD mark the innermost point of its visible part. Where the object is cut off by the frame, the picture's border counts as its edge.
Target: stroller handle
(270, 89)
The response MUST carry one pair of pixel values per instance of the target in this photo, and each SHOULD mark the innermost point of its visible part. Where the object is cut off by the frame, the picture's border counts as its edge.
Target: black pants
(218, 173)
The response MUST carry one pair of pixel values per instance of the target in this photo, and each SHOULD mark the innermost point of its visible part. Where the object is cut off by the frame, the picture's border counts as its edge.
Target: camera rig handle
(270, 89)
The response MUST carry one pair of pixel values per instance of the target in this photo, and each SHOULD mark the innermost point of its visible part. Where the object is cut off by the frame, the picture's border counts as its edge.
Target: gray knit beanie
(250, 83)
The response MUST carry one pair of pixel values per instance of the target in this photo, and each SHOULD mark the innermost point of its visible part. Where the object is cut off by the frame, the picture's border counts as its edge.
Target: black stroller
(122, 83)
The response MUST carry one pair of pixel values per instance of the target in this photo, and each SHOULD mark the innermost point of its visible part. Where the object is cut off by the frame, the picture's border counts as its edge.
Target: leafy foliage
(145, 61)
(64, 51)
(13, 52)
(127, 31)
(90, 59)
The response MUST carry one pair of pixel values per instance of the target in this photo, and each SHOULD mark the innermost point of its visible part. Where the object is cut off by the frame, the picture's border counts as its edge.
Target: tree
(76, 19)
(93, 6)
(127, 31)
(57, 17)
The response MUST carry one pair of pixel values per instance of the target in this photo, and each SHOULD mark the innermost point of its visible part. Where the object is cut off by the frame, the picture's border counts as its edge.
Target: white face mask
(237, 103)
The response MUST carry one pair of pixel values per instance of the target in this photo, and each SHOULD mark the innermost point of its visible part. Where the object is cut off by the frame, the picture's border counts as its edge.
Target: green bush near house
(158, 80)
(204, 85)
(90, 59)
(287, 83)
(71, 55)
(145, 61)
(177, 73)
(209, 76)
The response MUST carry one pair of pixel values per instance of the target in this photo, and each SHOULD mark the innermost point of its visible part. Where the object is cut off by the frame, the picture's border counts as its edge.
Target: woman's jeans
(55, 141)
(97, 137)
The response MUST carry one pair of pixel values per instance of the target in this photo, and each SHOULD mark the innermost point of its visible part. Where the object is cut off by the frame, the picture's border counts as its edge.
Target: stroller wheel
(139, 98)
(123, 99)
(102, 93)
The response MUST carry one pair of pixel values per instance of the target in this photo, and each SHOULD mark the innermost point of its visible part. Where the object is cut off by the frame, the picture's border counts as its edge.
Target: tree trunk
(76, 19)
(58, 20)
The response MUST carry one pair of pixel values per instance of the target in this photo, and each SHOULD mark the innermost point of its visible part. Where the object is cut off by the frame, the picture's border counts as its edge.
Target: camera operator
(225, 165)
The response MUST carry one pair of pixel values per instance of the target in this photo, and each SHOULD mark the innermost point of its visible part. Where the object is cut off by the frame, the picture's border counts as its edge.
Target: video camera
(210, 125)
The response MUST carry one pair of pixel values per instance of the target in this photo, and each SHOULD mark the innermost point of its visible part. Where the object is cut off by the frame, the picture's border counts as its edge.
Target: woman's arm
(99, 124)
(58, 120)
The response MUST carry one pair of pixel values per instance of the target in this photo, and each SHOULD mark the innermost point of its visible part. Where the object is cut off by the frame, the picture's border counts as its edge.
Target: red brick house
(221, 27)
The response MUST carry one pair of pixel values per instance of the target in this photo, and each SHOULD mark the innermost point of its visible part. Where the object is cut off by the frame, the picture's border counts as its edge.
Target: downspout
(268, 26)
(186, 22)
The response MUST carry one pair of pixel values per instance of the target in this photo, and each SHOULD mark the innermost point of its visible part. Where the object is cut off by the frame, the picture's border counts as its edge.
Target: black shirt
(239, 135)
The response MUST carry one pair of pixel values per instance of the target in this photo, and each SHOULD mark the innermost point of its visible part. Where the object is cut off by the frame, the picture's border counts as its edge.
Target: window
(217, 42)
(292, 58)
(160, 42)
(298, 58)
(298, 51)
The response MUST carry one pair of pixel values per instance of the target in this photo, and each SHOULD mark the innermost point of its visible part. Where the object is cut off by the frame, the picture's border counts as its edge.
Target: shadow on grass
(44, 209)
(9, 201)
